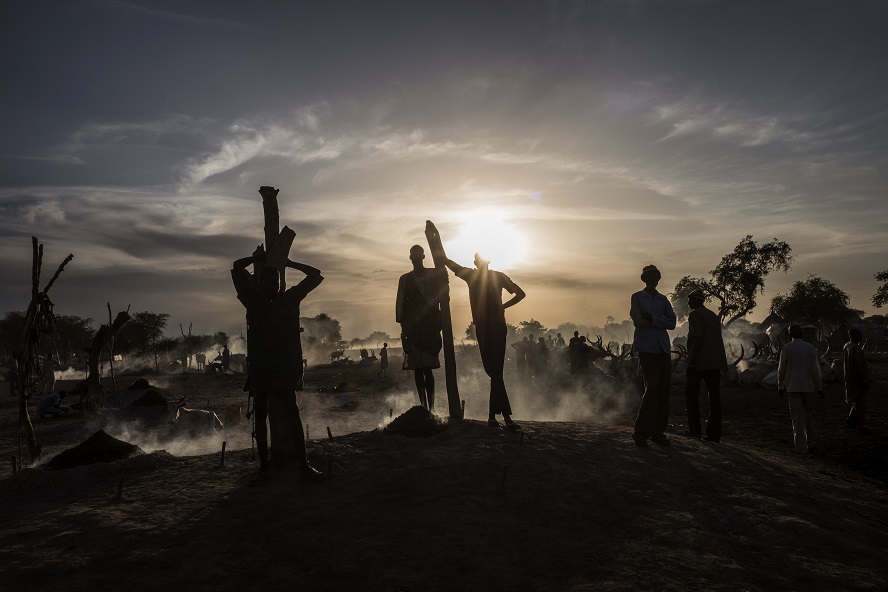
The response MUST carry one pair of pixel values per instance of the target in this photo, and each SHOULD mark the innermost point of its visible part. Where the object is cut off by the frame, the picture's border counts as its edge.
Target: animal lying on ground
(194, 421)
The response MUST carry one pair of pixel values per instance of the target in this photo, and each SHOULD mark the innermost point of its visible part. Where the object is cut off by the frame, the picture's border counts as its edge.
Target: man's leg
(664, 388)
(430, 387)
(692, 400)
(799, 421)
(646, 419)
(809, 420)
(712, 379)
(419, 380)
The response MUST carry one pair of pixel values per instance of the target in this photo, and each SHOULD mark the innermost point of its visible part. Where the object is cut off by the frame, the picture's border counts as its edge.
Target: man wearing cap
(798, 377)
(706, 362)
(652, 316)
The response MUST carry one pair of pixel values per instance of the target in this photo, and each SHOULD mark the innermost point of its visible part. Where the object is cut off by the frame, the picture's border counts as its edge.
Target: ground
(562, 505)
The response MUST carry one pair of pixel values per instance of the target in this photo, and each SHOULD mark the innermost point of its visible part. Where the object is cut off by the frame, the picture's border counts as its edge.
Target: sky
(571, 142)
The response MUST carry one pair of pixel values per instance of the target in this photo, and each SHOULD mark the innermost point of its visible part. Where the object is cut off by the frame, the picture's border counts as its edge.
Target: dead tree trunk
(283, 414)
(38, 319)
(94, 378)
(438, 256)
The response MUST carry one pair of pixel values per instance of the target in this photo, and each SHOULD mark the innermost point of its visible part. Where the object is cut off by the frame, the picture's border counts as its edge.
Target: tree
(471, 334)
(320, 330)
(881, 295)
(815, 300)
(532, 326)
(145, 329)
(737, 279)
(69, 333)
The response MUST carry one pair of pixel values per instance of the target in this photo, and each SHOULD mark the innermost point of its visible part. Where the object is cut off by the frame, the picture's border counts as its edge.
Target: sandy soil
(567, 505)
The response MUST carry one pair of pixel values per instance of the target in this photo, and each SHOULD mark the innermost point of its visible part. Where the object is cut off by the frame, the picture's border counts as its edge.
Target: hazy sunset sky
(590, 138)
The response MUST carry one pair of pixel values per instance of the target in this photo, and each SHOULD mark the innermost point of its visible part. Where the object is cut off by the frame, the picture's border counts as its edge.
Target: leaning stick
(223, 452)
(120, 489)
(329, 433)
(503, 482)
(14, 465)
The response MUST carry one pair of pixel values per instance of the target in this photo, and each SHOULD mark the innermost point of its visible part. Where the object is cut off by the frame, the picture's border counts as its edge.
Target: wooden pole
(439, 257)
(223, 452)
(329, 433)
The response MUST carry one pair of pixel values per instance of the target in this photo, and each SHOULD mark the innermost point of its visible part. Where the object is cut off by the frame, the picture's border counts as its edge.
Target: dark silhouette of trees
(737, 280)
(145, 330)
(815, 300)
(320, 330)
(531, 326)
(881, 295)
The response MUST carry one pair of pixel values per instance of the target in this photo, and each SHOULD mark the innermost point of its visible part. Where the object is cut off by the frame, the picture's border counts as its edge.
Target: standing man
(488, 314)
(856, 380)
(274, 345)
(383, 360)
(417, 309)
(798, 377)
(226, 356)
(706, 362)
(652, 316)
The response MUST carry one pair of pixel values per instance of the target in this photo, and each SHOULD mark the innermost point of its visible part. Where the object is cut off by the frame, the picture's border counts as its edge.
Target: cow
(201, 360)
(196, 422)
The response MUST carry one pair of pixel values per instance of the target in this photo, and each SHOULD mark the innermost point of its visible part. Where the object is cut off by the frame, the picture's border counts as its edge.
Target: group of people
(418, 310)
(275, 373)
(799, 376)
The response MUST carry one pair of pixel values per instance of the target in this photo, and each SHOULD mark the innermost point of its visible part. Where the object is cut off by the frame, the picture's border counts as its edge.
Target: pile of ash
(151, 398)
(98, 448)
(416, 422)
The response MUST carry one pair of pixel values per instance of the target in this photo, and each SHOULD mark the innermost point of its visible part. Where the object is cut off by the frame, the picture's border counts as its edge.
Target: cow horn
(737, 361)
(757, 350)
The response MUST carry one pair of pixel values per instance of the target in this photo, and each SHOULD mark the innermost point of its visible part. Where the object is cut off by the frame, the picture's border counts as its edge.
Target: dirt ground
(562, 505)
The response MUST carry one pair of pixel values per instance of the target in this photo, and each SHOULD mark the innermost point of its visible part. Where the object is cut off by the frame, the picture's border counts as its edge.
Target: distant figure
(653, 316)
(49, 375)
(50, 404)
(274, 346)
(542, 358)
(798, 377)
(201, 361)
(488, 314)
(226, 356)
(530, 356)
(706, 362)
(574, 339)
(417, 309)
(383, 360)
(856, 380)
(520, 348)
(580, 356)
(559, 341)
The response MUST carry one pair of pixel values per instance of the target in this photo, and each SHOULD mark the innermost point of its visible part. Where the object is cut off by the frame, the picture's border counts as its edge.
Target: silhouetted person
(50, 404)
(653, 316)
(559, 341)
(226, 356)
(542, 357)
(488, 314)
(798, 377)
(383, 359)
(856, 378)
(521, 356)
(706, 362)
(417, 309)
(574, 339)
(530, 356)
(274, 345)
(580, 356)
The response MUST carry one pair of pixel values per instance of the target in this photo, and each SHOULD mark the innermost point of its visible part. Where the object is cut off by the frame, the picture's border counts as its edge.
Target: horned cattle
(195, 422)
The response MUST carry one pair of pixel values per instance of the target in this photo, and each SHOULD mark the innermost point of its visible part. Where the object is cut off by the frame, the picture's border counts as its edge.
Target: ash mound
(98, 448)
(416, 422)
(151, 398)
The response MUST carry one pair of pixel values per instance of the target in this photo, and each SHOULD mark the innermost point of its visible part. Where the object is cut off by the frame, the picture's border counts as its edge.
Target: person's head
(696, 299)
(576, 333)
(542, 340)
(559, 335)
(795, 331)
(532, 338)
(417, 254)
(385, 345)
(525, 338)
(583, 339)
(481, 262)
(650, 275)
(855, 335)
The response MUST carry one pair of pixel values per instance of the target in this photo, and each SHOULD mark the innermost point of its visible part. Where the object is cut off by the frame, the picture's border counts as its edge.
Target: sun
(486, 232)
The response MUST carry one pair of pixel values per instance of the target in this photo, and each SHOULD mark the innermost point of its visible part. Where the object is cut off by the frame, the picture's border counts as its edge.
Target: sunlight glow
(486, 232)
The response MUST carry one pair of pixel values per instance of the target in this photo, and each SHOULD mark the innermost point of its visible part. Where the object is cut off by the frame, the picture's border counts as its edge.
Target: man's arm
(515, 289)
(637, 313)
(456, 268)
(304, 268)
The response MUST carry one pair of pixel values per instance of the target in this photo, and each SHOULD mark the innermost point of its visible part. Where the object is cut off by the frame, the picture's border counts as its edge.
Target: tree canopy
(881, 295)
(320, 330)
(143, 331)
(531, 326)
(737, 280)
(815, 300)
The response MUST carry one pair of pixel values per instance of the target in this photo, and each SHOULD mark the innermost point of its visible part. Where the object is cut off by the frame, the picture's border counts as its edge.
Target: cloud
(182, 18)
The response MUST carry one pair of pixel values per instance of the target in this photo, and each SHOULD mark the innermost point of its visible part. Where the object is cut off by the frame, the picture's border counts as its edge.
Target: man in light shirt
(653, 316)
(798, 378)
